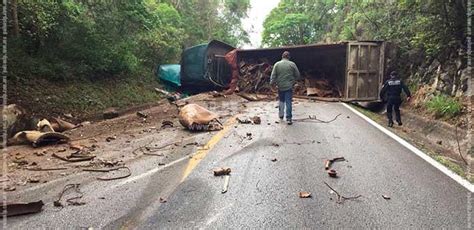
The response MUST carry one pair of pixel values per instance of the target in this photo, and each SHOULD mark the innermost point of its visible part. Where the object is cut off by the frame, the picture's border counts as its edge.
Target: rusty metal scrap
(15, 209)
(72, 200)
(329, 162)
(75, 157)
(255, 78)
(129, 173)
(341, 198)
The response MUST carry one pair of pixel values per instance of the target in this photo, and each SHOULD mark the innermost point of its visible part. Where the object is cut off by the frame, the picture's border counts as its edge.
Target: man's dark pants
(285, 99)
(394, 104)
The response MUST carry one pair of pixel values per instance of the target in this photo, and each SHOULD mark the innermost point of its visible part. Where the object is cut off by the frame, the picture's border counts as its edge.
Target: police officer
(391, 91)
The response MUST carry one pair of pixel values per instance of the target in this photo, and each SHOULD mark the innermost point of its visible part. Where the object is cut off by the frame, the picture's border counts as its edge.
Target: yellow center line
(202, 152)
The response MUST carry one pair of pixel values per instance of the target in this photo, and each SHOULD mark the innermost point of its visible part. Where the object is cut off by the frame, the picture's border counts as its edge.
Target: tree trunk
(15, 26)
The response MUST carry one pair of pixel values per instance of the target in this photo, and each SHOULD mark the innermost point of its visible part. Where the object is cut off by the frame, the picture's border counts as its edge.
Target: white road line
(415, 150)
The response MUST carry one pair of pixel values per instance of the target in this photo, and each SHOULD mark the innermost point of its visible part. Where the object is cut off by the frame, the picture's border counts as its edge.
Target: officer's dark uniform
(393, 88)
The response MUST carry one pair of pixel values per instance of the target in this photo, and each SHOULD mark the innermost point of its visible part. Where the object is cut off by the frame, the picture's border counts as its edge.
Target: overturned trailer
(356, 68)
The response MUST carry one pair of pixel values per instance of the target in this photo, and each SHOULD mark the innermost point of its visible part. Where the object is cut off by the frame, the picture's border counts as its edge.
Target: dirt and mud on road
(152, 133)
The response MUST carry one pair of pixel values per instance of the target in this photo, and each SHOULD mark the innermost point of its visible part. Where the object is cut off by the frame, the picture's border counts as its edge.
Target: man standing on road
(393, 88)
(284, 74)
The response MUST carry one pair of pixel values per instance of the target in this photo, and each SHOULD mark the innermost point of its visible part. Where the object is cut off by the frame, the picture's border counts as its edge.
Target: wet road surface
(263, 193)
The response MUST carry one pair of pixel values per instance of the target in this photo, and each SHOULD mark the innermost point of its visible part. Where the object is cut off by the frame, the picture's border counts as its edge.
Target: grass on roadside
(82, 98)
(444, 106)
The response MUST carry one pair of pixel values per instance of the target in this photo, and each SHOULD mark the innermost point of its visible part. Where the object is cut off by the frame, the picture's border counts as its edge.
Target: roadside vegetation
(77, 44)
(443, 106)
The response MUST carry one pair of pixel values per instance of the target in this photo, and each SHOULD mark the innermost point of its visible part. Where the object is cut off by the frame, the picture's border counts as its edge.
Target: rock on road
(263, 194)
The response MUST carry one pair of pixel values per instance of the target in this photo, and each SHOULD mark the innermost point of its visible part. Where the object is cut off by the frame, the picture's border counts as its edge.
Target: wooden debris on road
(386, 197)
(222, 171)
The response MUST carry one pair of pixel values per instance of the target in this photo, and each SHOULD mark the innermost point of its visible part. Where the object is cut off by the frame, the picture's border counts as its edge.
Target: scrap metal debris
(33, 180)
(312, 118)
(226, 184)
(331, 161)
(255, 78)
(320, 88)
(222, 171)
(45, 169)
(75, 157)
(171, 97)
(249, 136)
(256, 120)
(150, 150)
(109, 139)
(243, 120)
(332, 173)
(197, 118)
(15, 209)
(142, 114)
(72, 200)
(340, 198)
(304, 194)
(129, 173)
(167, 124)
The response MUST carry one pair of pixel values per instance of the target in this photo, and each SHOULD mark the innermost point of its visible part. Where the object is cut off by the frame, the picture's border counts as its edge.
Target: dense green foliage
(73, 39)
(444, 106)
(427, 25)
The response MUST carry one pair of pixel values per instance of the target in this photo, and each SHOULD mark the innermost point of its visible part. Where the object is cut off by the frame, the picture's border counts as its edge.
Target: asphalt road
(262, 193)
